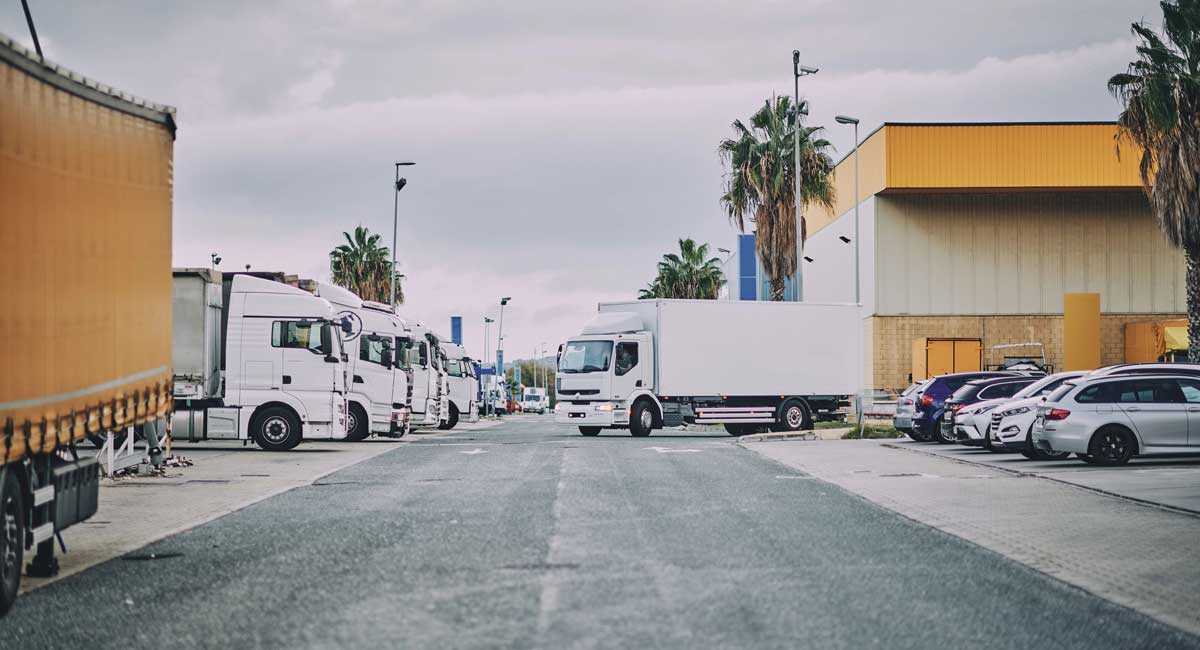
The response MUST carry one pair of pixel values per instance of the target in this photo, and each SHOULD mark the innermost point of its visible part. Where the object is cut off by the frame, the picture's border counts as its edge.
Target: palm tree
(690, 274)
(760, 185)
(1160, 92)
(363, 266)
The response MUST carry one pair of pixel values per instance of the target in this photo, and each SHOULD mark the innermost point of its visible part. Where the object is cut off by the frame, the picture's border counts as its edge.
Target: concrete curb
(789, 435)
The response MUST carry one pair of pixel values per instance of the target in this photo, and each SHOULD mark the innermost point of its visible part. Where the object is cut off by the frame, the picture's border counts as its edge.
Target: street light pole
(487, 337)
(399, 185)
(797, 72)
(845, 119)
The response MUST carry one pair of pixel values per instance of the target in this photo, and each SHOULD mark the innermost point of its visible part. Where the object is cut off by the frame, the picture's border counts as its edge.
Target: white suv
(1106, 420)
(1011, 425)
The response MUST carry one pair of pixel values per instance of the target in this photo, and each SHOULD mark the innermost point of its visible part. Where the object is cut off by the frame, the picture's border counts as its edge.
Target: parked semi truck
(429, 380)
(379, 392)
(256, 360)
(464, 386)
(85, 271)
(747, 365)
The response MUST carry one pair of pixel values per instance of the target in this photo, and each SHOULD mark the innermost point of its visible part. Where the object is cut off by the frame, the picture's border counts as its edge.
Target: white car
(906, 407)
(1011, 426)
(971, 421)
(1107, 420)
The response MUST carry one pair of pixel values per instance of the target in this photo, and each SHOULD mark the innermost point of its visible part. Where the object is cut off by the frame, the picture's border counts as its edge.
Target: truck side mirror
(387, 358)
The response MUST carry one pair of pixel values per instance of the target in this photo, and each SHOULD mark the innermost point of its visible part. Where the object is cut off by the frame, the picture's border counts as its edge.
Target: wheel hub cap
(275, 429)
(794, 417)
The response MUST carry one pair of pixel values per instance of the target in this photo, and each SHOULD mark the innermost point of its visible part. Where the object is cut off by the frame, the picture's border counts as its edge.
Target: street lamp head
(796, 57)
(504, 301)
(405, 164)
(723, 250)
(845, 119)
(401, 183)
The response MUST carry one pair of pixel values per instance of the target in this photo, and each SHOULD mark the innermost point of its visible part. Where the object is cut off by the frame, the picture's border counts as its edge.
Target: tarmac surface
(527, 535)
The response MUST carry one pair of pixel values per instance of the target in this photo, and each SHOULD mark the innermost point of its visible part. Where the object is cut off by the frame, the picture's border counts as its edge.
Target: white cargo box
(749, 348)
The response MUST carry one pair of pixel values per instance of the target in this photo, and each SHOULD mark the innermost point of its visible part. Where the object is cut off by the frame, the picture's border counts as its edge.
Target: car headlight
(605, 407)
(1017, 411)
(984, 409)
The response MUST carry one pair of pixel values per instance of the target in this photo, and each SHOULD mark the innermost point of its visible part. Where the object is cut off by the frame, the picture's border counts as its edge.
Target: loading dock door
(932, 357)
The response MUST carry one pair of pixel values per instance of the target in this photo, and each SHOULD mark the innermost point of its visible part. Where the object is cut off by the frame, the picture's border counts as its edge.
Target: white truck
(463, 385)
(378, 397)
(255, 360)
(429, 380)
(534, 400)
(649, 364)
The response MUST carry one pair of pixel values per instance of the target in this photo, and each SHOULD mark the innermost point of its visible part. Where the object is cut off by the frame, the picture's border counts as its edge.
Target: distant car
(931, 405)
(1107, 420)
(906, 407)
(1010, 425)
(966, 419)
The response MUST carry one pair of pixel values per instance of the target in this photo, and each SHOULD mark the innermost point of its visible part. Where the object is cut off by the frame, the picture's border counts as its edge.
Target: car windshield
(966, 392)
(585, 356)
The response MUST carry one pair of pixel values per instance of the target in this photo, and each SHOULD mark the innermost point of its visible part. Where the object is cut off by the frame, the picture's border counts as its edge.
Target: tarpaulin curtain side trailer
(85, 256)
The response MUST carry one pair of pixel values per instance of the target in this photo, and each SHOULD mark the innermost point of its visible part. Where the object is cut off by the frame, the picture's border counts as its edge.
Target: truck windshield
(585, 356)
(401, 360)
(454, 367)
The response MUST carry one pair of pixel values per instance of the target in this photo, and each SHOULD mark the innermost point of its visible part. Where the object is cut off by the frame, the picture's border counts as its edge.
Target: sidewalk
(1140, 556)
(226, 477)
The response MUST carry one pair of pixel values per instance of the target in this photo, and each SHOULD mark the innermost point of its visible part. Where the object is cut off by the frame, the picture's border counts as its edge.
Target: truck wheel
(449, 424)
(589, 431)
(739, 429)
(791, 417)
(358, 424)
(276, 429)
(641, 420)
(12, 539)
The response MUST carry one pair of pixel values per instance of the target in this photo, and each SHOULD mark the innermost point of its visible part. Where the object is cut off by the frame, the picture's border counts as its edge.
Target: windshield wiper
(591, 369)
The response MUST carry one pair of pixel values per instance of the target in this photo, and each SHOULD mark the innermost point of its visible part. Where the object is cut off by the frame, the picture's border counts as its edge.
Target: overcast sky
(562, 147)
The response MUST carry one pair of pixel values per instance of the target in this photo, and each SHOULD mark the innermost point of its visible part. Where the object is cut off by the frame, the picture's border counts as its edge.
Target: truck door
(374, 380)
(627, 369)
(419, 360)
(308, 375)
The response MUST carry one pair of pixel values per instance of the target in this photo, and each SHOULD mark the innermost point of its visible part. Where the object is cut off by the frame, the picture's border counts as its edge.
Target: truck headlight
(605, 407)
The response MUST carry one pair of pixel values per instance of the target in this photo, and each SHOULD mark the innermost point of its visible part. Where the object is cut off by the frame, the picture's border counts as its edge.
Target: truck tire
(359, 424)
(641, 419)
(12, 539)
(449, 424)
(739, 429)
(589, 431)
(276, 428)
(792, 416)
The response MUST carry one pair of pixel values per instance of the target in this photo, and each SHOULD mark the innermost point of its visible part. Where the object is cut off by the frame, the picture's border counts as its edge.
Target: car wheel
(358, 425)
(938, 436)
(12, 539)
(276, 429)
(1112, 446)
(641, 420)
(589, 431)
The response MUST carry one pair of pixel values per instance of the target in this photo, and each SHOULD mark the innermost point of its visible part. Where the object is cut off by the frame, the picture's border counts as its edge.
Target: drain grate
(148, 557)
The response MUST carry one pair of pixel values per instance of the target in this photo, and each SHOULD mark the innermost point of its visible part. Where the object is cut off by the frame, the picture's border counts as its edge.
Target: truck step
(42, 533)
(43, 495)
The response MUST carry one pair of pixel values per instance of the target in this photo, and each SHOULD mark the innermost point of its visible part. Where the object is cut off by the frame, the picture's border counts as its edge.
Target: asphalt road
(531, 536)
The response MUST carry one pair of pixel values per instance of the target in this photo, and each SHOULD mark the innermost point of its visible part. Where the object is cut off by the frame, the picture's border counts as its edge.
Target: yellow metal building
(977, 231)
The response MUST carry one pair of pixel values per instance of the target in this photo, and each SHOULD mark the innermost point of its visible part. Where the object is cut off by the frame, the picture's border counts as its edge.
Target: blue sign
(456, 330)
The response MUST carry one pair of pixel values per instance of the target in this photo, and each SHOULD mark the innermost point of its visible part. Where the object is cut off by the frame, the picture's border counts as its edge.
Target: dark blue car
(932, 402)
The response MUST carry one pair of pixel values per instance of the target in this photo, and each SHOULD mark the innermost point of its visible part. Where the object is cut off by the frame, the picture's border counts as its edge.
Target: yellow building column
(1081, 331)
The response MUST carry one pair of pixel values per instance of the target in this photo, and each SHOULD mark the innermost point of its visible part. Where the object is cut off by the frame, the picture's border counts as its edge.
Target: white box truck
(534, 400)
(255, 360)
(649, 364)
(464, 386)
(379, 395)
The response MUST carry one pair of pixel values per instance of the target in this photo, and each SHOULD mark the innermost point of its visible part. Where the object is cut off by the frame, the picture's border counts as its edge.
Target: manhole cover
(147, 557)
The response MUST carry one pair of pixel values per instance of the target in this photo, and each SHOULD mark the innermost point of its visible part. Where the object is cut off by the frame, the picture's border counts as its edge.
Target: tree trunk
(777, 289)
(1193, 303)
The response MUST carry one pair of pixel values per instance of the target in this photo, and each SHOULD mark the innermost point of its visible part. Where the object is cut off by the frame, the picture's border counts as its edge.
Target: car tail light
(1057, 414)
(958, 408)
(906, 401)
(926, 400)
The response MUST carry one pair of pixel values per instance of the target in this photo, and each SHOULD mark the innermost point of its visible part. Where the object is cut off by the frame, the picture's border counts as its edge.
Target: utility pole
(797, 72)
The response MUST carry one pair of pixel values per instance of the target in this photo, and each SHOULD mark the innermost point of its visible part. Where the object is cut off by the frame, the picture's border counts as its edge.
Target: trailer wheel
(12, 539)
(359, 424)
(641, 419)
(449, 424)
(276, 428)
(792, 416)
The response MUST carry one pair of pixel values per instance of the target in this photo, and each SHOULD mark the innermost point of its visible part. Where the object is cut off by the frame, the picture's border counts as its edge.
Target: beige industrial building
(976, 231)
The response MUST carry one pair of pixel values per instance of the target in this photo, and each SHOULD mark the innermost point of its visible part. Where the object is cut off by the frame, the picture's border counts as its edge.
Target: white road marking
(668, 450)
(474, 451)
(795, 477)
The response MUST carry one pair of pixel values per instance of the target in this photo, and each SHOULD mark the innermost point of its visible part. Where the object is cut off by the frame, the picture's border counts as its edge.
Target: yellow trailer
(85, 276)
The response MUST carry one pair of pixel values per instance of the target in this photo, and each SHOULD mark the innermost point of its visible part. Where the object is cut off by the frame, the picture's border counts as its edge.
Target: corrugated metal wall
(1017, 253)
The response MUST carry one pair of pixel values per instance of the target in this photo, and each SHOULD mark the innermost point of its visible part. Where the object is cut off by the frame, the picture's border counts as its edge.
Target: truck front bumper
(602, 414)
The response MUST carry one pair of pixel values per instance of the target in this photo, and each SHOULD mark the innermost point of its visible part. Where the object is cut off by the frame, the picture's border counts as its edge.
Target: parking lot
(1169, 481)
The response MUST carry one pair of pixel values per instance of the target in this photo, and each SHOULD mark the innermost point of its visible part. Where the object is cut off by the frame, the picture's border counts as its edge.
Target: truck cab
(600, 376)
(285, 366)
(375, 382)
(462, 386)
(428, 383)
